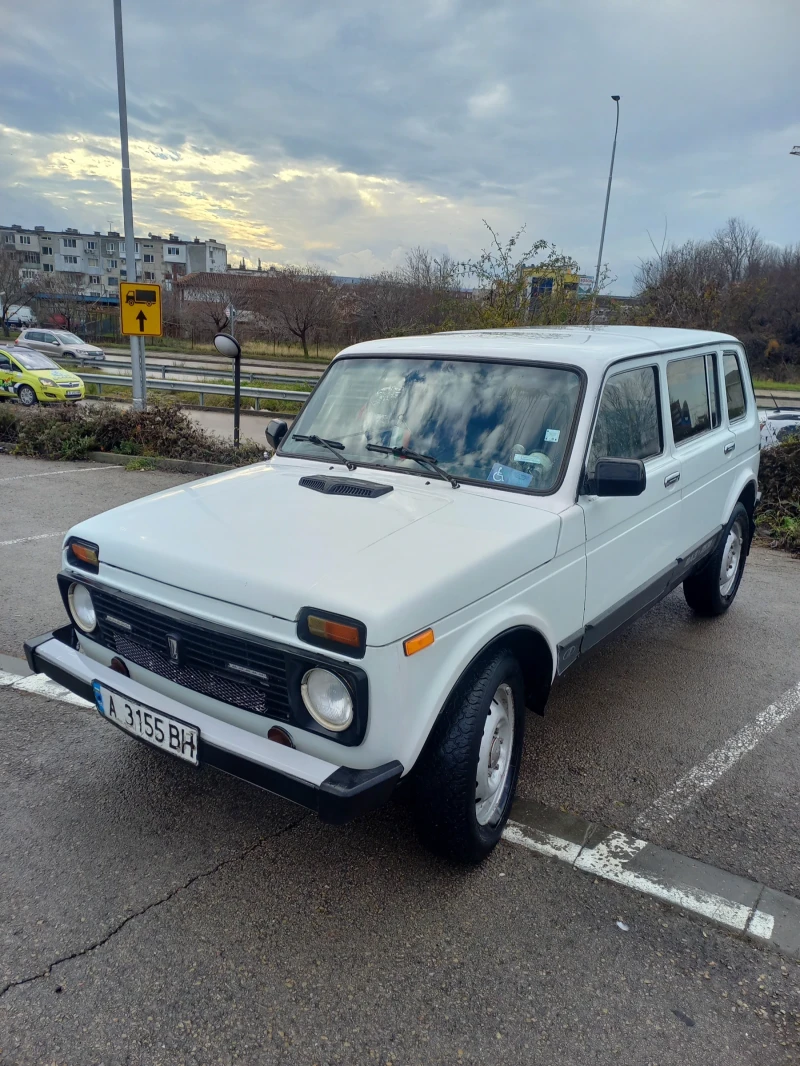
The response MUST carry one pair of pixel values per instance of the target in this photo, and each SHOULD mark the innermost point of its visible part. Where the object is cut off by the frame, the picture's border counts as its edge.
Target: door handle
(729, 447)
(672, 479)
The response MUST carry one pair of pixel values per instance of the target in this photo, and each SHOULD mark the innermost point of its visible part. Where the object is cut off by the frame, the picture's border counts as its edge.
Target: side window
(32, 335)
(713, 390)
(5, 363)
(734, 390)
(48, 338)
(628, 422)
(688, 397)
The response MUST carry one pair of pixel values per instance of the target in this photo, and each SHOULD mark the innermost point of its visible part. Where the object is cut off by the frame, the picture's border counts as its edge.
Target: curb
(181, 466)
(768, 917)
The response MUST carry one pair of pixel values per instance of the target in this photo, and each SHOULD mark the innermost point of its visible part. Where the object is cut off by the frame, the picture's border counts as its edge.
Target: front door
(630, 541)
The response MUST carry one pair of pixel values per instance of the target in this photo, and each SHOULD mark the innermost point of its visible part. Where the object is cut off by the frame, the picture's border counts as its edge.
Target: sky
(344, 133)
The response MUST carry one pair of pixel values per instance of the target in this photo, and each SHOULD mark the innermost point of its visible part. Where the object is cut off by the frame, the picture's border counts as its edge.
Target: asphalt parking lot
(151, 913)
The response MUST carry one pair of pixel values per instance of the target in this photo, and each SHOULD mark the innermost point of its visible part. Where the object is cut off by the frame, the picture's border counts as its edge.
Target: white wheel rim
(494, 759)
(731, 559)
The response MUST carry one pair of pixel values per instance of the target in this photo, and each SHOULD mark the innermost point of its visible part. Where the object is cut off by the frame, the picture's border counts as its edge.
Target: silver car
(58, 343)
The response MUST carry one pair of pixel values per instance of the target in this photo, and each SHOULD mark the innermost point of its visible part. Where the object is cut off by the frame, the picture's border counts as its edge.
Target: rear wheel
(712, 589)
(26, 396)
(466, 778)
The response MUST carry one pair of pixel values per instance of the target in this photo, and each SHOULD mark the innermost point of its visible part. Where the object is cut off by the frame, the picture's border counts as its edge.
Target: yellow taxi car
(32, 377)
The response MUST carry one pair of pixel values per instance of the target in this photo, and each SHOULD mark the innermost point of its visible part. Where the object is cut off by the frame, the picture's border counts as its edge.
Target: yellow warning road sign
(140, 309)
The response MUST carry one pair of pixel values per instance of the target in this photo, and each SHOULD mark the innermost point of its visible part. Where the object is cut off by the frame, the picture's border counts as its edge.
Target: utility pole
(605, 214)
(137, 343)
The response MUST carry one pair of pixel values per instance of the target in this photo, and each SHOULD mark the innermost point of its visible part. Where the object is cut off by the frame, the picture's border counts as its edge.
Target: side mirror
(618, 477)
(275, 432)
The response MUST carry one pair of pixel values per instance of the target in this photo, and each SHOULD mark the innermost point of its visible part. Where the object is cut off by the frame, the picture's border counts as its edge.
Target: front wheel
(712, 589)
(466, 777)
(26, 396)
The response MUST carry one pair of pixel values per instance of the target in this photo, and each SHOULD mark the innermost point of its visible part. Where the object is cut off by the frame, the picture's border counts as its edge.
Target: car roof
(590, 347)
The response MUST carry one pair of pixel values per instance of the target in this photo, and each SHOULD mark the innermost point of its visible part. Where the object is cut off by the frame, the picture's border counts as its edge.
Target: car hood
(258, 539)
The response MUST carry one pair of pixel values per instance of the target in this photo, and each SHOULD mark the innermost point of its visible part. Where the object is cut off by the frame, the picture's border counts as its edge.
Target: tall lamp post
(605, 211)
(138, 372)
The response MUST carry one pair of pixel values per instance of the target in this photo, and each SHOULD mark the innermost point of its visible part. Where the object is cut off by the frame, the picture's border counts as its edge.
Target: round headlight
(81, 607)
(327, 699)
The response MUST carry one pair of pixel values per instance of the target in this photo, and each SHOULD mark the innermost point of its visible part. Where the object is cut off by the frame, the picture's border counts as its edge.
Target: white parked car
(778, 425)
(59, 343)
(451, 522)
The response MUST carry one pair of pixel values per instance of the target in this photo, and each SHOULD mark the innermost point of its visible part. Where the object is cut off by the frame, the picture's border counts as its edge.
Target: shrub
(165, 431)
(778, 516)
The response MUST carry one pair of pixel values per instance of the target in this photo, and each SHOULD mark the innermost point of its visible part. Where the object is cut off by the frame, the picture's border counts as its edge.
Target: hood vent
(345, 486)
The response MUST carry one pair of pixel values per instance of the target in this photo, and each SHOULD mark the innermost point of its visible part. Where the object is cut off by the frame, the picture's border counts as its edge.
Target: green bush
(778, 516)
(164, 431)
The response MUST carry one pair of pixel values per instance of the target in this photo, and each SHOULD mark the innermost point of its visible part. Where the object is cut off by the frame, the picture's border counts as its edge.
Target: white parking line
(41, 685)
(699, 779)
(59, 473)
(22, 540)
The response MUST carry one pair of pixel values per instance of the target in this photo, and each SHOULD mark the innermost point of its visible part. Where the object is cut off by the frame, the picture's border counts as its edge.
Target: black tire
(704, 589)
(26, 396)
(445, 777)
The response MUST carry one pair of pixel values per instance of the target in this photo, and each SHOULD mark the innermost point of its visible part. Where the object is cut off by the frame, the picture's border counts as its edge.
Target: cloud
(347, 132)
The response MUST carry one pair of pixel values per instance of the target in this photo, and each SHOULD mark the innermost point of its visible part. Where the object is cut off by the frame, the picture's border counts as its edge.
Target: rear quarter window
(734, 387)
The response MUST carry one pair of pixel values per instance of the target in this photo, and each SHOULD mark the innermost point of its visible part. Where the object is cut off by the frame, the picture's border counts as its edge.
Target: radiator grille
(224, 666)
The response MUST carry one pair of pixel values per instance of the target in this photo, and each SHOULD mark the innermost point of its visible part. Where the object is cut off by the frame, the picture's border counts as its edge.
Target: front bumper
(59, 395)
(337, 793)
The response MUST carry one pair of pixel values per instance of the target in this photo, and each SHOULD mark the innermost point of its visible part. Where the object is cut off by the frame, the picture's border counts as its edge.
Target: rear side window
(32, 335)
(734, 389)
(628, 424)
(688, 397)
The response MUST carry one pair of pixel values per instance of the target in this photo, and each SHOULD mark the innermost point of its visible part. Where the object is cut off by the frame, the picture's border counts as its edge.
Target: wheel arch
(532, 652)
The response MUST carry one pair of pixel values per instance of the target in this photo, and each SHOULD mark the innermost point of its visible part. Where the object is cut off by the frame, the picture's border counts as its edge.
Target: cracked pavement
(152, 913)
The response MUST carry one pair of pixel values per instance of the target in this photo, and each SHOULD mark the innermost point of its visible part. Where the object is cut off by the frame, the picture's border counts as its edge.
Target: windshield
(505, 424)
(68, 338)
(32, 360)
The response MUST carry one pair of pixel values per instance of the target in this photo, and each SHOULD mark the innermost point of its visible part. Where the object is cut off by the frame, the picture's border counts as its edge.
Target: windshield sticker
(507, 475)
(552, 435)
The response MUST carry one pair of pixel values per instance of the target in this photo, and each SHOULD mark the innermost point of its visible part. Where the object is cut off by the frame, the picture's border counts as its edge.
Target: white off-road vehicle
(451, 521)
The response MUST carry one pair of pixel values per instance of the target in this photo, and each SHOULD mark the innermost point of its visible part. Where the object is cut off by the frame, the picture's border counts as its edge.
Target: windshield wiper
(424, 460)
(333, 446)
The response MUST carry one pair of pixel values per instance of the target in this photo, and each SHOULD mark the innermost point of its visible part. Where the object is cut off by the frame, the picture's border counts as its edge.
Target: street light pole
(137, 343)
(605, 211)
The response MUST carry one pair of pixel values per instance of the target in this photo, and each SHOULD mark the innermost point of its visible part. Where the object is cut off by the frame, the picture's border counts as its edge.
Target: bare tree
(738, 245)
(61, 295)
(501, 271)
(300, 299)
(13, 288)
(209, 301)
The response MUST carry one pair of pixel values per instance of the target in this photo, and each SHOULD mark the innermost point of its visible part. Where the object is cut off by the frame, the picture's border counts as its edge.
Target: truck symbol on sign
(141, 296)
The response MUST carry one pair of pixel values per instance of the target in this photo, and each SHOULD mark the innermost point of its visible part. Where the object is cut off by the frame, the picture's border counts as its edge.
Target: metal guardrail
(203, 388)
(164, 369)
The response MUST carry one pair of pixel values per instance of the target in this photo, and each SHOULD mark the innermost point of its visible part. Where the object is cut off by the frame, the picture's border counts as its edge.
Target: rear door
(631, 543)
(703, 444)
(740, 406)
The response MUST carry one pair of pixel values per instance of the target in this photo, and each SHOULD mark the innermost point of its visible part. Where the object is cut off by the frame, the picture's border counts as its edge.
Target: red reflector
(280, 736)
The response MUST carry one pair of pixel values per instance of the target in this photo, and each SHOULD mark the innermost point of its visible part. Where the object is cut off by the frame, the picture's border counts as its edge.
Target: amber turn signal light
(84, 553)
(338, 632)
(417, 643)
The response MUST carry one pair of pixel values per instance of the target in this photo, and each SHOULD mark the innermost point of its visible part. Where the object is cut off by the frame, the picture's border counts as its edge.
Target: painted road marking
(41, 685)
(57, 473)
(23, 540)
(730, 901)
(699, 779)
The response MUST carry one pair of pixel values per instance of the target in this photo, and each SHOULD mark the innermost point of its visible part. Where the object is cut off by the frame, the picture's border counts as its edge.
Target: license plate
(75, 393)
(161, 730)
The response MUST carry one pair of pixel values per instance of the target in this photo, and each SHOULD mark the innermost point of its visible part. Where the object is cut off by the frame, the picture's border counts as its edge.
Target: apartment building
(101, 258)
